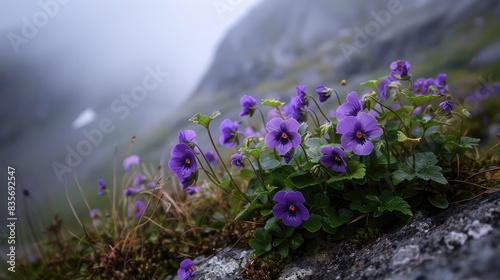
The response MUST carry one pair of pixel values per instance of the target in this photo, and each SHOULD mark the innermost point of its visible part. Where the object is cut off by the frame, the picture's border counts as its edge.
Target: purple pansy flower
(230, 134)
(399, 69)
(441, 84)
(357, 133)
(133, 160)
(139, 179)
(101, 187)
(324, 93)
(249, 105)
(383, 89)
(183, 161)
(283, 135)
(94, 214)
(237, 160)
(334, 159)
(288, 156)
(350, 108)
(298, 109)
(186, 269)
(192, 190)
(447, 106)
(189, 181)
(290, 208)
(420, 86)
(301, 93)
(130, 191)
(187, 137)
(137, 209)
(211, 157)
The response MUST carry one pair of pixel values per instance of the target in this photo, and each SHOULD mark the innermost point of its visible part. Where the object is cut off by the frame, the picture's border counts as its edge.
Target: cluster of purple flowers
(423, 86)
(297, 108)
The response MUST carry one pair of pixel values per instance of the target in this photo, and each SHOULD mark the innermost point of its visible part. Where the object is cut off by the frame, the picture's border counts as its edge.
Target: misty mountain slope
(284, 43)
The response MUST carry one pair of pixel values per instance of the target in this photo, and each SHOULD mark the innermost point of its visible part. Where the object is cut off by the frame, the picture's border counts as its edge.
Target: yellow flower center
(359, 135)
(337, 159)
(292, 208)
(284, 136)
(188, 161)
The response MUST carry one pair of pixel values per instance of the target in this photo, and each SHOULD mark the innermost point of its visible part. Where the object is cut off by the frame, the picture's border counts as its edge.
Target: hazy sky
(110, 40)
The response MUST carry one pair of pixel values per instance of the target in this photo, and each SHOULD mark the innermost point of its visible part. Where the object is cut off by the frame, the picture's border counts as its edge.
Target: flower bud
(466, 113)
(343, 83)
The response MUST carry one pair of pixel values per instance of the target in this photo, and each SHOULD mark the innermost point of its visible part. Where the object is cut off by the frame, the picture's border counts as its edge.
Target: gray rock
(455, 239)
(413, 251)
(406, 254)
(477, 230)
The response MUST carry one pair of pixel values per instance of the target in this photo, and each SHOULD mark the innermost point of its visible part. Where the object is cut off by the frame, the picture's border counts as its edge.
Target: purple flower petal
(133, 160)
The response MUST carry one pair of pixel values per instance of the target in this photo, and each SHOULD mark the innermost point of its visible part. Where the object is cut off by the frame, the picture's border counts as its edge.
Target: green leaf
(425, 169)
(295, 241)
(255, 152)
(270, 223)
(269, 163)
(383, 159)
(283, 250)
(271, 102)
(439, 202)
(204, 120)
(356, 171)
(278, 241)
(345, 214)
(313, 224)
(325, 224)
(316, 142)
(321, 200)
(261, 235)
(373, 83)
(303, 128)
(248, 209)
(419, 99)
(394, 203)
(225, 183)
(314, 153)
(432, 173)
(266, 212)
(370, 83)
(333, 218)
(281, 173)
(289, 231)
(300, 181)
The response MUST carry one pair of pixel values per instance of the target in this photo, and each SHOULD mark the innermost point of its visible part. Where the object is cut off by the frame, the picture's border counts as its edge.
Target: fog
(73, 71)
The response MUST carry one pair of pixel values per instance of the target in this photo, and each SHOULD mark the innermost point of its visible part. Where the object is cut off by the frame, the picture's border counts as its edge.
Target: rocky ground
(462, 242)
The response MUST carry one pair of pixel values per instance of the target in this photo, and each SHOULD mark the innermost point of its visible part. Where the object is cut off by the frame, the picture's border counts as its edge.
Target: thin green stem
(319, 108)
(263, 119)
(208, 163)
(225, 167)
(383, 106)
(338, 97)
(258, 174)
(315, 118)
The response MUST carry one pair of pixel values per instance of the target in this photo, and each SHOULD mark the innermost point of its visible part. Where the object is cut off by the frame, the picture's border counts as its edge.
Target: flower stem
(224, 165)
(319, 108)
(258, 174)
(209, 166)
(263, 119)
